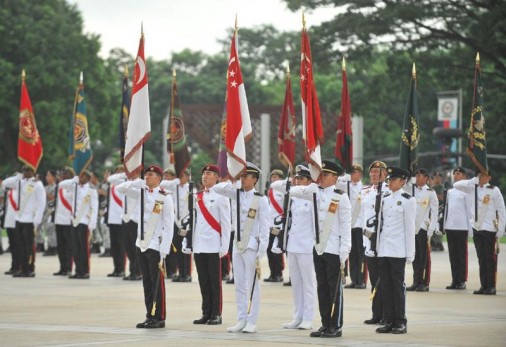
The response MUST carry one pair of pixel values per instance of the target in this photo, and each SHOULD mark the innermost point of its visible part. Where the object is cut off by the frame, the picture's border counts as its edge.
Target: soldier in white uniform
(358, 274)
(331, 253)
(153, 240)
(425, 225)
(211, 237)
(116, 229)
(129, 217)
(396, 247)
(254, 222)
(84, 220)
(458, 214)
(299, 249)
(62, 221)
(371, 196)
(9, 223)
(47, 220)
(180, 189)
(31, 201)
(488, 226)
(276, 261)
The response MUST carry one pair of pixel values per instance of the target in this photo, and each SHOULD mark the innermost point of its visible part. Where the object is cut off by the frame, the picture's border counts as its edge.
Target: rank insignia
(486, 199)
(399, 203)
(252, 213)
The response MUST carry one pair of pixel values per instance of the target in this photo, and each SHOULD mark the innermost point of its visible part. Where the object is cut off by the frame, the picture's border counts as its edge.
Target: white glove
(409, 260)
(275, 249)
(260, 254)
(184, 247)
(222, 253)
(438, 232)
(369, 253)
(343, 264)
(76, 179)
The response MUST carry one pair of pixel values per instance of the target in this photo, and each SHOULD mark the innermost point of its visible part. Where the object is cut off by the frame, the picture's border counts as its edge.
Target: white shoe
(238, 327)
(292, 325)
(250, 328)
(305, 325)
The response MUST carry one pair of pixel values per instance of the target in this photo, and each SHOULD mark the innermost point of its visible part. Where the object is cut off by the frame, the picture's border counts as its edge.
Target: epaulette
(366, 187)
(339, 191)
(259, 194)
(430, 189)
(490, 187)
(388, 194)
(406, 195)
(162, 192)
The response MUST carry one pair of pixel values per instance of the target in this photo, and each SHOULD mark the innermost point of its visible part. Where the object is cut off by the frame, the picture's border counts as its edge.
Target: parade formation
(335, 232)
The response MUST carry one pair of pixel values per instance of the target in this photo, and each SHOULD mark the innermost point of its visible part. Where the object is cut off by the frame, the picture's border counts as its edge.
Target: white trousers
(244, 272)
(303, 278)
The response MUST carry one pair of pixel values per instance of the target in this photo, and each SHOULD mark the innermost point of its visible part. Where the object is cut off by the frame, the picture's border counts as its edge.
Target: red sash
(213, 223)
(274, 203)
(12, 201)
(63, 200)
(115, 197)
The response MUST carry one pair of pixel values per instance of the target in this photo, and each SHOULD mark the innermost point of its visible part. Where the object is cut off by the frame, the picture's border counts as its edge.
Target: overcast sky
(172, 25)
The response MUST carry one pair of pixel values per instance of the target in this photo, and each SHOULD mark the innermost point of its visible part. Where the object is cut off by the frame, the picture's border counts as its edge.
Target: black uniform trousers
(276, 262)
(129, 238)
(25, 248)
(117, 249)
(327, 269)
(12, 245)
(152, 277)
(184, 261)
(393, 289)
(81, 249)
(374, 275)
(484, 241)
(421, 264)
(171, 260)
(457, 251)
(356, 258)
(64, 246)
(209, 271)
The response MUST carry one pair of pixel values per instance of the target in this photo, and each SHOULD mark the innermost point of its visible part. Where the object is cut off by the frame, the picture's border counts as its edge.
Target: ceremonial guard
(115, 224)
(48, 220)
(9, 224)
(358, 273)
(84, 220)
(332, 246)
(488, 226)
(457, 217)
(209, 242)
(30, 202)
(276, 261)
(62, 220)
(369, 216)
(169, 175)
(250, 244)
(299, 249)
(396, 247)
(180, 190)
(425, 225)
(154, 237)
(129, 218)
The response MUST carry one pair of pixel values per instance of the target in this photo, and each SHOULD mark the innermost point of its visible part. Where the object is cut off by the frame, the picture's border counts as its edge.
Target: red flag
(311, 118)
(238, 119)
(29, 141)
(139, 121)
(286, 132)
(344, 145)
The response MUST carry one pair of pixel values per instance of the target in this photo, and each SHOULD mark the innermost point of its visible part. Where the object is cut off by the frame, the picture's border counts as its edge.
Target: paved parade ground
(55, 311)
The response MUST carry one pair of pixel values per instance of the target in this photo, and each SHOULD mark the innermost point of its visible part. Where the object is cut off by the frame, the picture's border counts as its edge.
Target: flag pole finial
(413, 72)
(173, 73)
(287, 67)
(477, 57)
(125, 71)
(303, 21)
(81, 78)
(23, 74)
(344, 64)
(236, 27)
(142, 29)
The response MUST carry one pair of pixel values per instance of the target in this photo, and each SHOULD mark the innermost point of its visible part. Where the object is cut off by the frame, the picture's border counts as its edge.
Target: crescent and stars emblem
(140, 70)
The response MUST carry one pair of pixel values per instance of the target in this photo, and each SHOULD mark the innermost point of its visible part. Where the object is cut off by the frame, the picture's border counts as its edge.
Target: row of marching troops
(380, 228)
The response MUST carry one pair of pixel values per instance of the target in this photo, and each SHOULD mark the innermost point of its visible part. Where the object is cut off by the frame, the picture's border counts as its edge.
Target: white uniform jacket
(275, 197)
(156, 201)
(179, 195)
(32, 200)
(426, 207)
(205, 238)
(85, 205)
(10, 209)
(368, 211)
(339, 241)
(397, 235)
(491, 211)
(130, 202)
(63, 208)
(259, 233)
(115, 206)
(458, 211)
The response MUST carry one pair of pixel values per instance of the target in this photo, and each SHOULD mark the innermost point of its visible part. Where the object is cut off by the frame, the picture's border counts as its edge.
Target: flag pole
(171, 114)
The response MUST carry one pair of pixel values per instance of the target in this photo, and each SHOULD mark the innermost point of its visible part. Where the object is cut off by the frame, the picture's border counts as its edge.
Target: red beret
(211, 167)
(153, 168)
